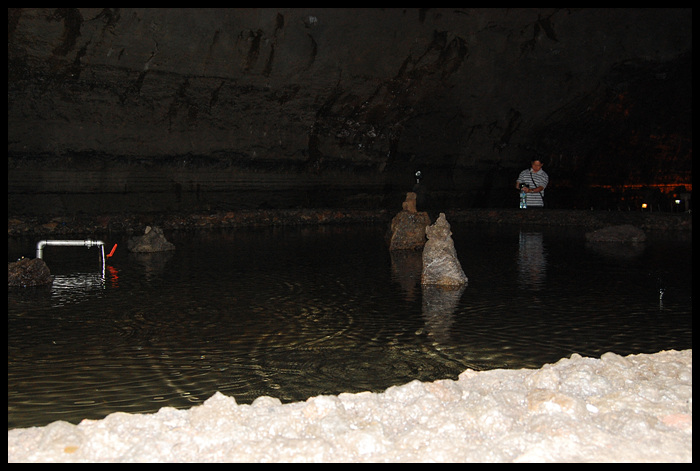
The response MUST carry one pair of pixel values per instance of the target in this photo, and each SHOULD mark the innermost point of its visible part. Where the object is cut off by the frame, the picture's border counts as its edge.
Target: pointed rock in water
(440, 263)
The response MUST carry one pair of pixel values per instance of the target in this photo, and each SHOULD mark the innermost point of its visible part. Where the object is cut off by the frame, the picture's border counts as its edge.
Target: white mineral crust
(613, 409)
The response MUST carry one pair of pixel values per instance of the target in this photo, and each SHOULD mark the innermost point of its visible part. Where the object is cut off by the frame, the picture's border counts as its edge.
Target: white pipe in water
(80, 243)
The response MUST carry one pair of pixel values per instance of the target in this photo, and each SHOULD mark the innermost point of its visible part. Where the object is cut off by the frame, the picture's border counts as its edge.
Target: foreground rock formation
(440, 263)
(636, 408)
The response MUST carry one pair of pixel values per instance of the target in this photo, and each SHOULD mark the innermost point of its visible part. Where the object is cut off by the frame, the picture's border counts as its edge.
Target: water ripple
(293, 313)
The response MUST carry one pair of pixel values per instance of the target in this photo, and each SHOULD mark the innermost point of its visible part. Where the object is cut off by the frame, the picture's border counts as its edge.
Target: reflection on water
(532, 261)
(297, 312)
(617, 250)
(76, 287)
(406, 269)
(150, 265)
(439, 306)
(438, 302)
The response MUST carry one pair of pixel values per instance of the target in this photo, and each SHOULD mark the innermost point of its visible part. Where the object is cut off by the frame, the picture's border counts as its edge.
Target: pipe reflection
(76, 287)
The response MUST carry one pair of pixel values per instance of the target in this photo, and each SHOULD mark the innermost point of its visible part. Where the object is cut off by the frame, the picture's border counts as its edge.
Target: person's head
(536, 165)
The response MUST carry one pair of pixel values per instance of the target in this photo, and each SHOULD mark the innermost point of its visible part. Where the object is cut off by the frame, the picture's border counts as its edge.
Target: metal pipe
(80, 243)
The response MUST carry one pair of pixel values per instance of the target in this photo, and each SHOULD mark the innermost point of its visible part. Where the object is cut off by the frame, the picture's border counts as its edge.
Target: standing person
(533, 181)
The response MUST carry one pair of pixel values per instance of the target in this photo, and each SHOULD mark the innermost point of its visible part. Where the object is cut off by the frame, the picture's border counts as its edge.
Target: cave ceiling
(358, 98)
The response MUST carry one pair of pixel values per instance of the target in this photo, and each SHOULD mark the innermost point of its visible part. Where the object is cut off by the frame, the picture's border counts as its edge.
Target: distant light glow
(663, 187)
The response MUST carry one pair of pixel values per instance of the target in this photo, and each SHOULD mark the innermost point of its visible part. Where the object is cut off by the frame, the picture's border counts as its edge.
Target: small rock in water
(153, 240)
(28, 272)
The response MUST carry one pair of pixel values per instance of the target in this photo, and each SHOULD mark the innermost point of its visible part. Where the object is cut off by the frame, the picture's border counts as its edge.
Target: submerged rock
(153, 240)
(440, 263)
(28, 272)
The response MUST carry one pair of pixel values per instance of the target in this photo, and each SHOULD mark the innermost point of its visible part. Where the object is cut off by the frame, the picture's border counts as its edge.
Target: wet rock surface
(407, 230)
(636, 408)
(135, 223)
(153, 240)
(440, 262)
(28, 272)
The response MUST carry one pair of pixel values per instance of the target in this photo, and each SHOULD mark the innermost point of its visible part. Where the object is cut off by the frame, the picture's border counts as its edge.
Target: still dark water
(297, 312)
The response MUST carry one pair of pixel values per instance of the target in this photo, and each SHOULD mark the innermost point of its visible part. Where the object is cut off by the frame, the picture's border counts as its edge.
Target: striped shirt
(533, 180)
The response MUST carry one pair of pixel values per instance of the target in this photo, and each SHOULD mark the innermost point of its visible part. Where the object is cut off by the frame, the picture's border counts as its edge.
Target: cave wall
(198, 109)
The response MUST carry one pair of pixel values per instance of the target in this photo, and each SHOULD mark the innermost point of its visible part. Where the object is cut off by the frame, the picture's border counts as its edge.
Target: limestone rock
(28, 272)
(408, 226)
(152, 240)
(410, 203)
(440, 263)
(632, 409)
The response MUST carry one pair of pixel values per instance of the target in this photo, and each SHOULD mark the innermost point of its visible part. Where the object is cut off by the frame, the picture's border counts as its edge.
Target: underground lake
(294, 312)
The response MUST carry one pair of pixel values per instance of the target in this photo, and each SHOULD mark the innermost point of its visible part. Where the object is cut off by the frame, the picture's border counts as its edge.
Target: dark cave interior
(167, 110)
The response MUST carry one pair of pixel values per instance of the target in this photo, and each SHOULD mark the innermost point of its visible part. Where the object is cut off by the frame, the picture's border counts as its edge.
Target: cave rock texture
(168, 109)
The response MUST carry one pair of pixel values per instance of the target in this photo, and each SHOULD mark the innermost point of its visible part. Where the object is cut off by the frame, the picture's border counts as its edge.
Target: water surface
(296, 312)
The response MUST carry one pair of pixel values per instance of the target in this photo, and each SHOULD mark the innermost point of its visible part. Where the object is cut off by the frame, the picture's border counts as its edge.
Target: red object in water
(112, 252)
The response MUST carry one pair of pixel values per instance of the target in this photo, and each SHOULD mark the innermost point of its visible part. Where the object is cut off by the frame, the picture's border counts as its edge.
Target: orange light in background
(644, 206)
(662, 187)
